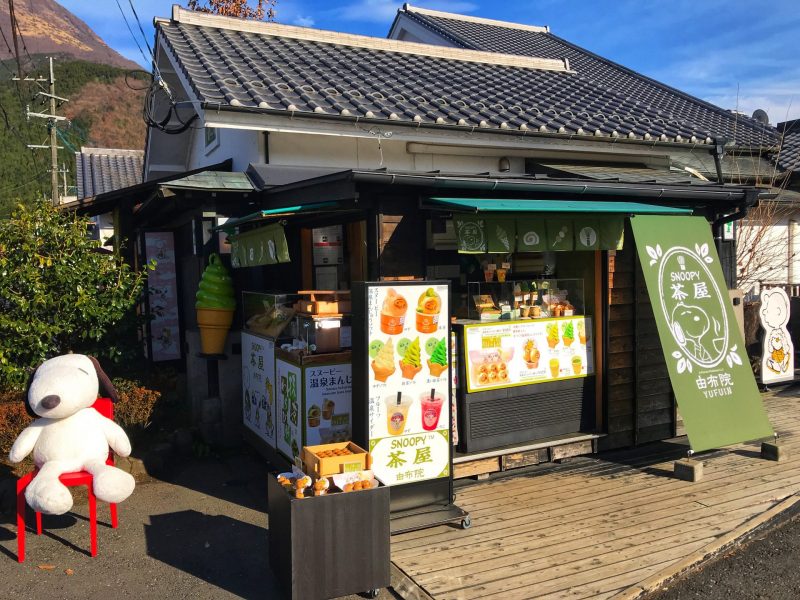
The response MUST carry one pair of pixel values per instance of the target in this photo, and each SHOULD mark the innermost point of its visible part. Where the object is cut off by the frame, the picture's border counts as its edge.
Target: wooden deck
(597, 526)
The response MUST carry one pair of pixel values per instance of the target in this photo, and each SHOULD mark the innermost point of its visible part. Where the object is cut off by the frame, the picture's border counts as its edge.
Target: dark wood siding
(640, 404)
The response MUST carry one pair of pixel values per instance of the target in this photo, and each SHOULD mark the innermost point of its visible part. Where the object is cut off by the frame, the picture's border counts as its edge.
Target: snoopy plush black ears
(105, 383)
(28, 384)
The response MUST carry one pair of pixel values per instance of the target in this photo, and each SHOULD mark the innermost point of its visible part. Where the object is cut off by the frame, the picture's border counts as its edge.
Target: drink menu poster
(409, 374)
(500, 355)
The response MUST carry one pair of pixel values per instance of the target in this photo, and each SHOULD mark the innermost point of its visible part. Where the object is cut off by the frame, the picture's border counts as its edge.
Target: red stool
(106, 408)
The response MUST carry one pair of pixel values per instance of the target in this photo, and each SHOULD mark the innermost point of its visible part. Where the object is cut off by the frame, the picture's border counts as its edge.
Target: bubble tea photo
(397, 413)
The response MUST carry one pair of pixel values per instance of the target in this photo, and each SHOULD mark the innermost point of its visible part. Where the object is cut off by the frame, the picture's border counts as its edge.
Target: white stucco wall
(243, 146)
(246, 146)
(365, 153)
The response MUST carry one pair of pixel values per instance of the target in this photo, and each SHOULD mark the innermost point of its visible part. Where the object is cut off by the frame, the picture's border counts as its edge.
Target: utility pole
(14, 31)
(51, 125)
(52, 121)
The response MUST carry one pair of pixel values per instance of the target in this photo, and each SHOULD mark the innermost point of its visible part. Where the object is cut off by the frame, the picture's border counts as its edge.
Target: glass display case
(323, 334)
(267, 314)
(525, 298)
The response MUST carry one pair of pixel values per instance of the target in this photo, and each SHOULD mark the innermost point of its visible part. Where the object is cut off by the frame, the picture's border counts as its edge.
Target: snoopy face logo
(471, 235)
(689, 322)
(692, 305)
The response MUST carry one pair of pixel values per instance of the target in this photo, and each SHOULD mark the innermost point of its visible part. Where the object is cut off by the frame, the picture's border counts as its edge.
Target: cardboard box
(316, 466)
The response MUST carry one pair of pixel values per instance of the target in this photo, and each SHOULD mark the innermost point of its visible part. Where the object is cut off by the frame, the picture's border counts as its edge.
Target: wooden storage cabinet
(329, 546)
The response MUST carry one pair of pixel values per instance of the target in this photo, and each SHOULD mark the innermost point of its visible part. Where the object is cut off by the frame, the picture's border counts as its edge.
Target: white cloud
(303, 21)
(383, 11)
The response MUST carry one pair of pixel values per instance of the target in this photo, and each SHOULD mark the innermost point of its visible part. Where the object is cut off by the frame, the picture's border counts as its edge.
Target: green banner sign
(705, 353)
(559, 234)
(531, 235)
(262, 246)
(471, 233)
(500, 235)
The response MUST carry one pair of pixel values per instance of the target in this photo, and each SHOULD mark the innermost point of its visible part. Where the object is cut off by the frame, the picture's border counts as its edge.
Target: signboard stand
(401, 397)
(704, 350)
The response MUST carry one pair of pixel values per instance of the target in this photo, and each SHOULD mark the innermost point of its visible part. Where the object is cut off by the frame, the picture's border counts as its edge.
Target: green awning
(482, 205)
(274, 213)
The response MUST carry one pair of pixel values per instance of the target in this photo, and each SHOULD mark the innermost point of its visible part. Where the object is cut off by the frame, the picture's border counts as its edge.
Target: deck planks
(591, 528)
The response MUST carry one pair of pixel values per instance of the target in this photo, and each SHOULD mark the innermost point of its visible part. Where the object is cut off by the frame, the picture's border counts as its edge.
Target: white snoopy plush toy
(70, 435)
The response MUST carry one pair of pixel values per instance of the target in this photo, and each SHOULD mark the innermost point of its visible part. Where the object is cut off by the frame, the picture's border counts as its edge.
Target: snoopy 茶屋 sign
(704, 350)
(777, 360)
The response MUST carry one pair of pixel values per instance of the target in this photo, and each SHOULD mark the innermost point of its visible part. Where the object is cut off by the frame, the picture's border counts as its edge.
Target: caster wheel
(466, 522)
(372, 594)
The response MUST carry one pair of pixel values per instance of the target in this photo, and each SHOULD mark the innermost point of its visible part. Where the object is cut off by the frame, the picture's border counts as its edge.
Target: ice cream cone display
(383, 364)
(531, 354)
(437, 364)
(428, 308)
(582, 332)
(215, 304)
(393, 312)
(411, 363)
(577, 364)
(568, 335)
(552, 335)
(554, 367)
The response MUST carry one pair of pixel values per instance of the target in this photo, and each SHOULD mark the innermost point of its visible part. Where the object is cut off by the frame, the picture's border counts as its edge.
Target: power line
(144, 37)
(131, 32)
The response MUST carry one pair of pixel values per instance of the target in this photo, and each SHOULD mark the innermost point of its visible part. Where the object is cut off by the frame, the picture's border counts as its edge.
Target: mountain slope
(103, 111)
(48, 28)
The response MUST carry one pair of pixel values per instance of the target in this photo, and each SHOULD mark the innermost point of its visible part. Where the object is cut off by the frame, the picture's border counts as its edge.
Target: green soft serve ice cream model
(215, 304)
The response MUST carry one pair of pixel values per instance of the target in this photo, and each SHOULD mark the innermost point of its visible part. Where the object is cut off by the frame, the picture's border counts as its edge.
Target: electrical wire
(128, 25)
(144, 37)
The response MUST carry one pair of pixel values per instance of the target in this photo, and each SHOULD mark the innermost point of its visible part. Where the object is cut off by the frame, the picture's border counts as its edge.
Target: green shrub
(57, 292)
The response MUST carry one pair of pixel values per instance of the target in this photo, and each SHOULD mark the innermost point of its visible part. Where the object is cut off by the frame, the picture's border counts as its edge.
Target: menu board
(162, 289)
(500, 355)
(408, 382)
(258, 386)
(328, 403)
(288, 379)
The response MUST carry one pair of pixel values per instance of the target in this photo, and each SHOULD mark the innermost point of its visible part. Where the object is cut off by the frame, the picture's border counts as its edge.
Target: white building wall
(369, 153)
(243, 146)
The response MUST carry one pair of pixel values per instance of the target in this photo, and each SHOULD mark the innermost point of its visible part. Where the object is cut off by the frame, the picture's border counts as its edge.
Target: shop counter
(523, 380)
(314, 398)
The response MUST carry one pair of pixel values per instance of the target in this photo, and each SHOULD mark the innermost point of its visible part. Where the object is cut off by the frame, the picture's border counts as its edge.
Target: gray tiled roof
(247, 67)
(100, 170)
(789, 155)
(622, 92)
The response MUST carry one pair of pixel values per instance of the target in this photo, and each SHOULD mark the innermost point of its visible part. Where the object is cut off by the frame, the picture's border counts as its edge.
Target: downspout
(790, 275)
(717, 227)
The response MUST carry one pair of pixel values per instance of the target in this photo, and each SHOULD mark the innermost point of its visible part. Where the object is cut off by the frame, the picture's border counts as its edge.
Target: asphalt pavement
(763, 566)
(203, 533)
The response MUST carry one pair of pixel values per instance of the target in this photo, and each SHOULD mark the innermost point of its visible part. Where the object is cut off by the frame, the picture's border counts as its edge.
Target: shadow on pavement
(240, 479)
(222, 551)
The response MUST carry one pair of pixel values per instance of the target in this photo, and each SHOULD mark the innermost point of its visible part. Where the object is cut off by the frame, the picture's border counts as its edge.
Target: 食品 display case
(267, 314)
(525, 298)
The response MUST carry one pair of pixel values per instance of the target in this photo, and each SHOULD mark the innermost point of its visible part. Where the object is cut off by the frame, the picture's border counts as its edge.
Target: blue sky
(733, 53)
